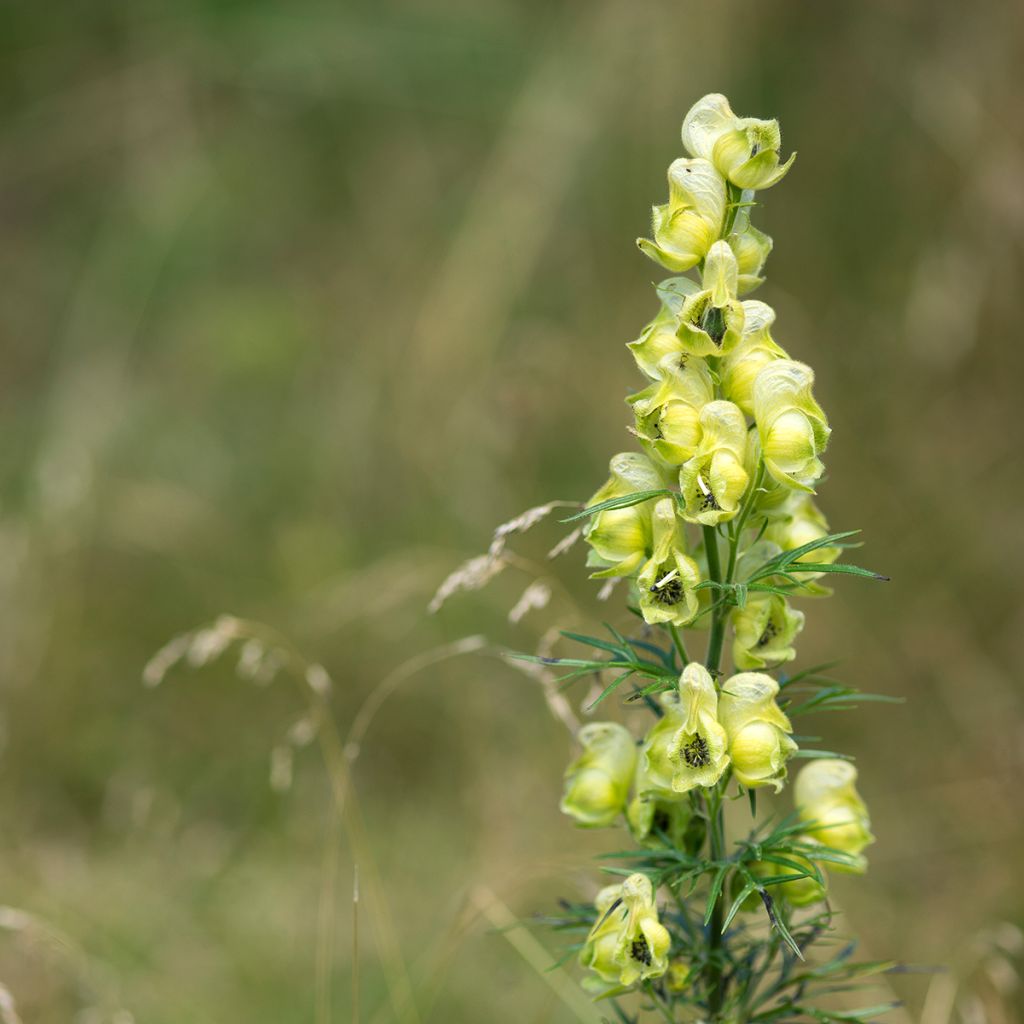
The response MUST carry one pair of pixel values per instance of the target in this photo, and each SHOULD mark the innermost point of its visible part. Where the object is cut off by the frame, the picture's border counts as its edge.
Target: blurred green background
(298, 302)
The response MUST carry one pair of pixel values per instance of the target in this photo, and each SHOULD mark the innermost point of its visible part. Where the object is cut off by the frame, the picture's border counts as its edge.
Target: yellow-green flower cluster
(702, 731)
(728, 422)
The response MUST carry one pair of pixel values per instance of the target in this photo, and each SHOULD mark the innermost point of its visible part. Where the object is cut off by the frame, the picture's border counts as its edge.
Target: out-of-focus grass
(298, 302)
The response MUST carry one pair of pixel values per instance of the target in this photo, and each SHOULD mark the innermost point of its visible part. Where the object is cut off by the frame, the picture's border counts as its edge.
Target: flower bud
(712, 482)
(753, 352)
(597, 782)
(678, 977)
(621, 538)
(758, 731)
(791, 424)
(627, 943)
(744, 149)
(686, 226)
(764, 630)
(827, 800)
(668, 411)
(669, 576)
(711, 320)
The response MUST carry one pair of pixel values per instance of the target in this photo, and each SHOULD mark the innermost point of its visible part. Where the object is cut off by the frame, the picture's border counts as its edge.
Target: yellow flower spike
(668, 411)
(764, 630)
(827, 800)
(745, 150)
(758, 730)
(687, 225)
(668, 578)
(713, 481)
(801, 522)
(711, 320)
(627, 943)
(791, 424)
(597, 782)
(621, 538)
(697, 749)
(752, 353)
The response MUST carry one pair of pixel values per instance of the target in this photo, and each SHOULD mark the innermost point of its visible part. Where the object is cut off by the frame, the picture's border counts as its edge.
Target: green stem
(714, 655)
(740, 523)
(716, 835)
(716, 823)
(678, 641)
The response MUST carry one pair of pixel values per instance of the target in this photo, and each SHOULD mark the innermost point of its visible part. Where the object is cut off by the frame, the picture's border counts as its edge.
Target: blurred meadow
(299, 301)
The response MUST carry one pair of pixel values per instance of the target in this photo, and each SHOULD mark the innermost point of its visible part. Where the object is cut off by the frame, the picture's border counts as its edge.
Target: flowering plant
(714, 528)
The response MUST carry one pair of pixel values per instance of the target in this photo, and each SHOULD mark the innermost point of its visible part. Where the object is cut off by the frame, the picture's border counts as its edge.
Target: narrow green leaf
(715, 892)
(625, 501)
(610, 688)
(737, 903)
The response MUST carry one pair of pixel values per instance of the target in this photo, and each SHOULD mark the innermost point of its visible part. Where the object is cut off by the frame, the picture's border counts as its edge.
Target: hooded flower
(686, 226)
(827, 800)
(658, 346)
(764, 630)
(793, 428)
(687, 747)
(744, 149)
(711, 319)
(754, 351)
(758, 731)
(669, 576)
(620, 538)
(712, 482)
(627, 943)
(771, 496)
(597, 782)
(668, 411)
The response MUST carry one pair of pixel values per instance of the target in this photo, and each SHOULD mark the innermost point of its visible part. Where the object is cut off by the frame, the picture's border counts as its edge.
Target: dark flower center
(668, 593)
(696, 753)
(640, 951)
(713, 322)
(771, 631)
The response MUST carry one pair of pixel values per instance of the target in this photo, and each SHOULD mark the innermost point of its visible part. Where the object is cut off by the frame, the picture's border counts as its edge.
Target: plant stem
(740, 523)
(678, 641)
(716, 823)
(716, 835)
(714, 655)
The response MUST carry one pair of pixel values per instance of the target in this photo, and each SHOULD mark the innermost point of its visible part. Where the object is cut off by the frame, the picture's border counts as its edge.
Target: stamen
(640, 951)
(696, 753)
(669, 589)
(710, 502)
